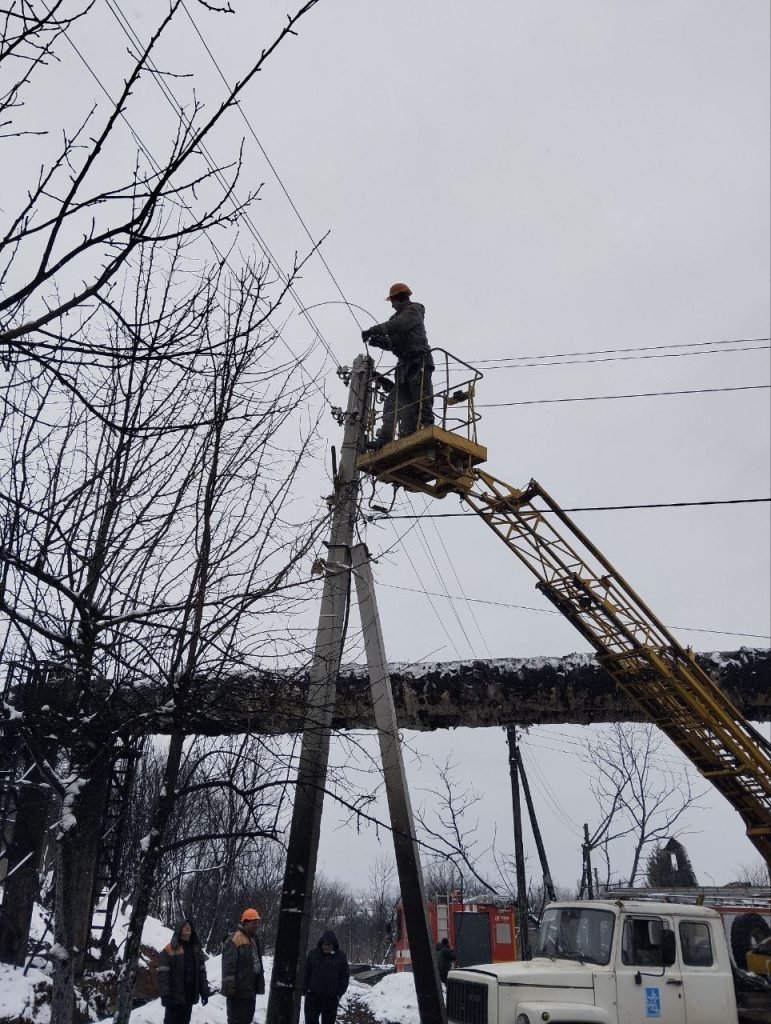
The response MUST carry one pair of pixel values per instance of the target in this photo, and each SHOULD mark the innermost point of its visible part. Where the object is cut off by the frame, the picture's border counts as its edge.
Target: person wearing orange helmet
(404, 334)
(243, 977)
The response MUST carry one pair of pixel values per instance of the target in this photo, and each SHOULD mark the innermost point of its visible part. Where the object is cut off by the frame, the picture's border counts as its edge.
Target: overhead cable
(603, 398)
(612, 351)
(176, 106)
(552, 611)
(595, 508)
(270, 163)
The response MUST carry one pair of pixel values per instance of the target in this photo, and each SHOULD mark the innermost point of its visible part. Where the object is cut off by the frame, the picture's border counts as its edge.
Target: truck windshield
(575, 933)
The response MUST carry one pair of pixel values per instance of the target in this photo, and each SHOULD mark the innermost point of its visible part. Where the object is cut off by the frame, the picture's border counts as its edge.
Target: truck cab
(608, 962)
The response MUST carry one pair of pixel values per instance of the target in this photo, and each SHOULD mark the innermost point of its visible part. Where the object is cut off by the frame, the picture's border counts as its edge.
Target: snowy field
(27, 997)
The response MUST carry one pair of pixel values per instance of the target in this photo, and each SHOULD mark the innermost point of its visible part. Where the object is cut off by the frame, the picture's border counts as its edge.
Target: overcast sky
(550, 177)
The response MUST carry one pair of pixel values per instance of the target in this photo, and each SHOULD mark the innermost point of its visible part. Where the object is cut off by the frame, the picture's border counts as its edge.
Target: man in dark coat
(243, 977)
(326, 979)
(445, 958)
(182, 974)
(404, 334)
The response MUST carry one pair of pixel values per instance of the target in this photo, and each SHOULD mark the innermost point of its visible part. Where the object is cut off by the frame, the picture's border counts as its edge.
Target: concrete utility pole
(427, 984)
(547, 880)
(519, 849)
(295, 911)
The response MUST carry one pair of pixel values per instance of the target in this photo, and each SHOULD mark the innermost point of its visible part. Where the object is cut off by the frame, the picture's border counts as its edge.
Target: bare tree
(27, 43)
(77, 228)
(147, 454)
(639, 796)
(223, 847)
(755, 876)
(144, 544)
(380, 898)
(450, 840)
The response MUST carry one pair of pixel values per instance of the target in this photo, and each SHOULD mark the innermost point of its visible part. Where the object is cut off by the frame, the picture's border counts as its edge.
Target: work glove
(365, 335)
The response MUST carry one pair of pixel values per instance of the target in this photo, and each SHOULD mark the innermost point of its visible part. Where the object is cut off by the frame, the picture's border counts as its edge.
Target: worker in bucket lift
(412, 397)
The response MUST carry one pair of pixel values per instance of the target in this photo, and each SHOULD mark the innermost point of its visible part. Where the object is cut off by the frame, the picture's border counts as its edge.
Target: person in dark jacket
(326, 979)
(243, 977)
(182, 974)
(404, 334)
(445, 958)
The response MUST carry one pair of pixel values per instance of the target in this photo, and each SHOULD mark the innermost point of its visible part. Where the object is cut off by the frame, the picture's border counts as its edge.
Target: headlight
(522, 1018)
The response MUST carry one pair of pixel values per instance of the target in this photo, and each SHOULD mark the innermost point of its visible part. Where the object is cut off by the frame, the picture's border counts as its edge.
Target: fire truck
(480, 929)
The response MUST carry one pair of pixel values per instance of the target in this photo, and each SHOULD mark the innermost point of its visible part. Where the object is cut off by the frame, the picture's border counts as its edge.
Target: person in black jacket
(404, 334)
(182, 974)
(326, 979)
(445, 958)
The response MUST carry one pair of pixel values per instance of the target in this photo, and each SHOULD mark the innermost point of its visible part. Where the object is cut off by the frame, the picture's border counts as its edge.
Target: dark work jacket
(181, 970)
(445, 958)
(326, 974)
(405, 335)
(239, 980)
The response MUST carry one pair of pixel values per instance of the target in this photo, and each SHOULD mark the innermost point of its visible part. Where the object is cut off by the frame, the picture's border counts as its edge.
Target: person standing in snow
(243, 977)
(445, 958)
(412, 397)
(326, 979)
(182, 974)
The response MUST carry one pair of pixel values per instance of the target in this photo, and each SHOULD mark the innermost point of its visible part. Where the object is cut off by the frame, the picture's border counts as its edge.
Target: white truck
(612, 962)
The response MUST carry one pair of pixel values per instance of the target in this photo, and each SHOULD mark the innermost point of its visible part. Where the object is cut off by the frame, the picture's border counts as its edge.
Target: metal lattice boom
(657, 673)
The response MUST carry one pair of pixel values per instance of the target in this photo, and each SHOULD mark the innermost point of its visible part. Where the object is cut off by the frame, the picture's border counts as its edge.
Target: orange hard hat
(398, 289)
(250, 914)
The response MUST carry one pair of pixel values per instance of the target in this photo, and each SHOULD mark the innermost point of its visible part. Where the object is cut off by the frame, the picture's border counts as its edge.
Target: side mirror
(668, 947)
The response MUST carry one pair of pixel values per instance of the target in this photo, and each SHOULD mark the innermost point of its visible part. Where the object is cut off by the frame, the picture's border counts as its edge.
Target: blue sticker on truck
(652, 1002)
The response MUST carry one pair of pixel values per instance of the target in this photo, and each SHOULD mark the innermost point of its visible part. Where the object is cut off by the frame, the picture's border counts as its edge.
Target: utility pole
(427, 985)
(302, 850)
(547, 881)
(587, 851)
(519, 850)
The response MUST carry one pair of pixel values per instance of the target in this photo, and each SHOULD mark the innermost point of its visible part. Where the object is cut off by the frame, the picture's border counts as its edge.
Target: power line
(443, 585)
(612, 351)
(176, 106)
(271, 165)
(460, 584)
(624, 359)
(551, 611)
(156, 166)
(642, 394)
(595, 508)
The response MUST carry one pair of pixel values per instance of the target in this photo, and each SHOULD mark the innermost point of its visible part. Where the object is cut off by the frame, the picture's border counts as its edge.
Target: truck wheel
(747, 930)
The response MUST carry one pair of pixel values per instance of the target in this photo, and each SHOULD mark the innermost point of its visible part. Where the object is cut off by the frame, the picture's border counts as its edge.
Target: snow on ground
(26, 996)
(154, 934)
(391, 1001)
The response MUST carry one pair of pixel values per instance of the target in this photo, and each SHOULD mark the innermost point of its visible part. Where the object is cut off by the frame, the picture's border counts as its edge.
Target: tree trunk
(76, 856)
(22, 881)
(146, 878)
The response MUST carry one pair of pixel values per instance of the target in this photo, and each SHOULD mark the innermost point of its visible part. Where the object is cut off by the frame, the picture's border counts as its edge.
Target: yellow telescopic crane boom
(660, 676)
(640, 653)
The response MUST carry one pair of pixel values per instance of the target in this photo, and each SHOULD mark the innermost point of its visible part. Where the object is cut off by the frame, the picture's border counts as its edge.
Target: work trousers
(241, 1011)
(178, 1014)
(320, 1007)
(411, 400)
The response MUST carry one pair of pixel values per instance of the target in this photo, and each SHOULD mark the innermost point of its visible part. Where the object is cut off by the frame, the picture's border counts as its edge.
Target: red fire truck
(481, 930)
